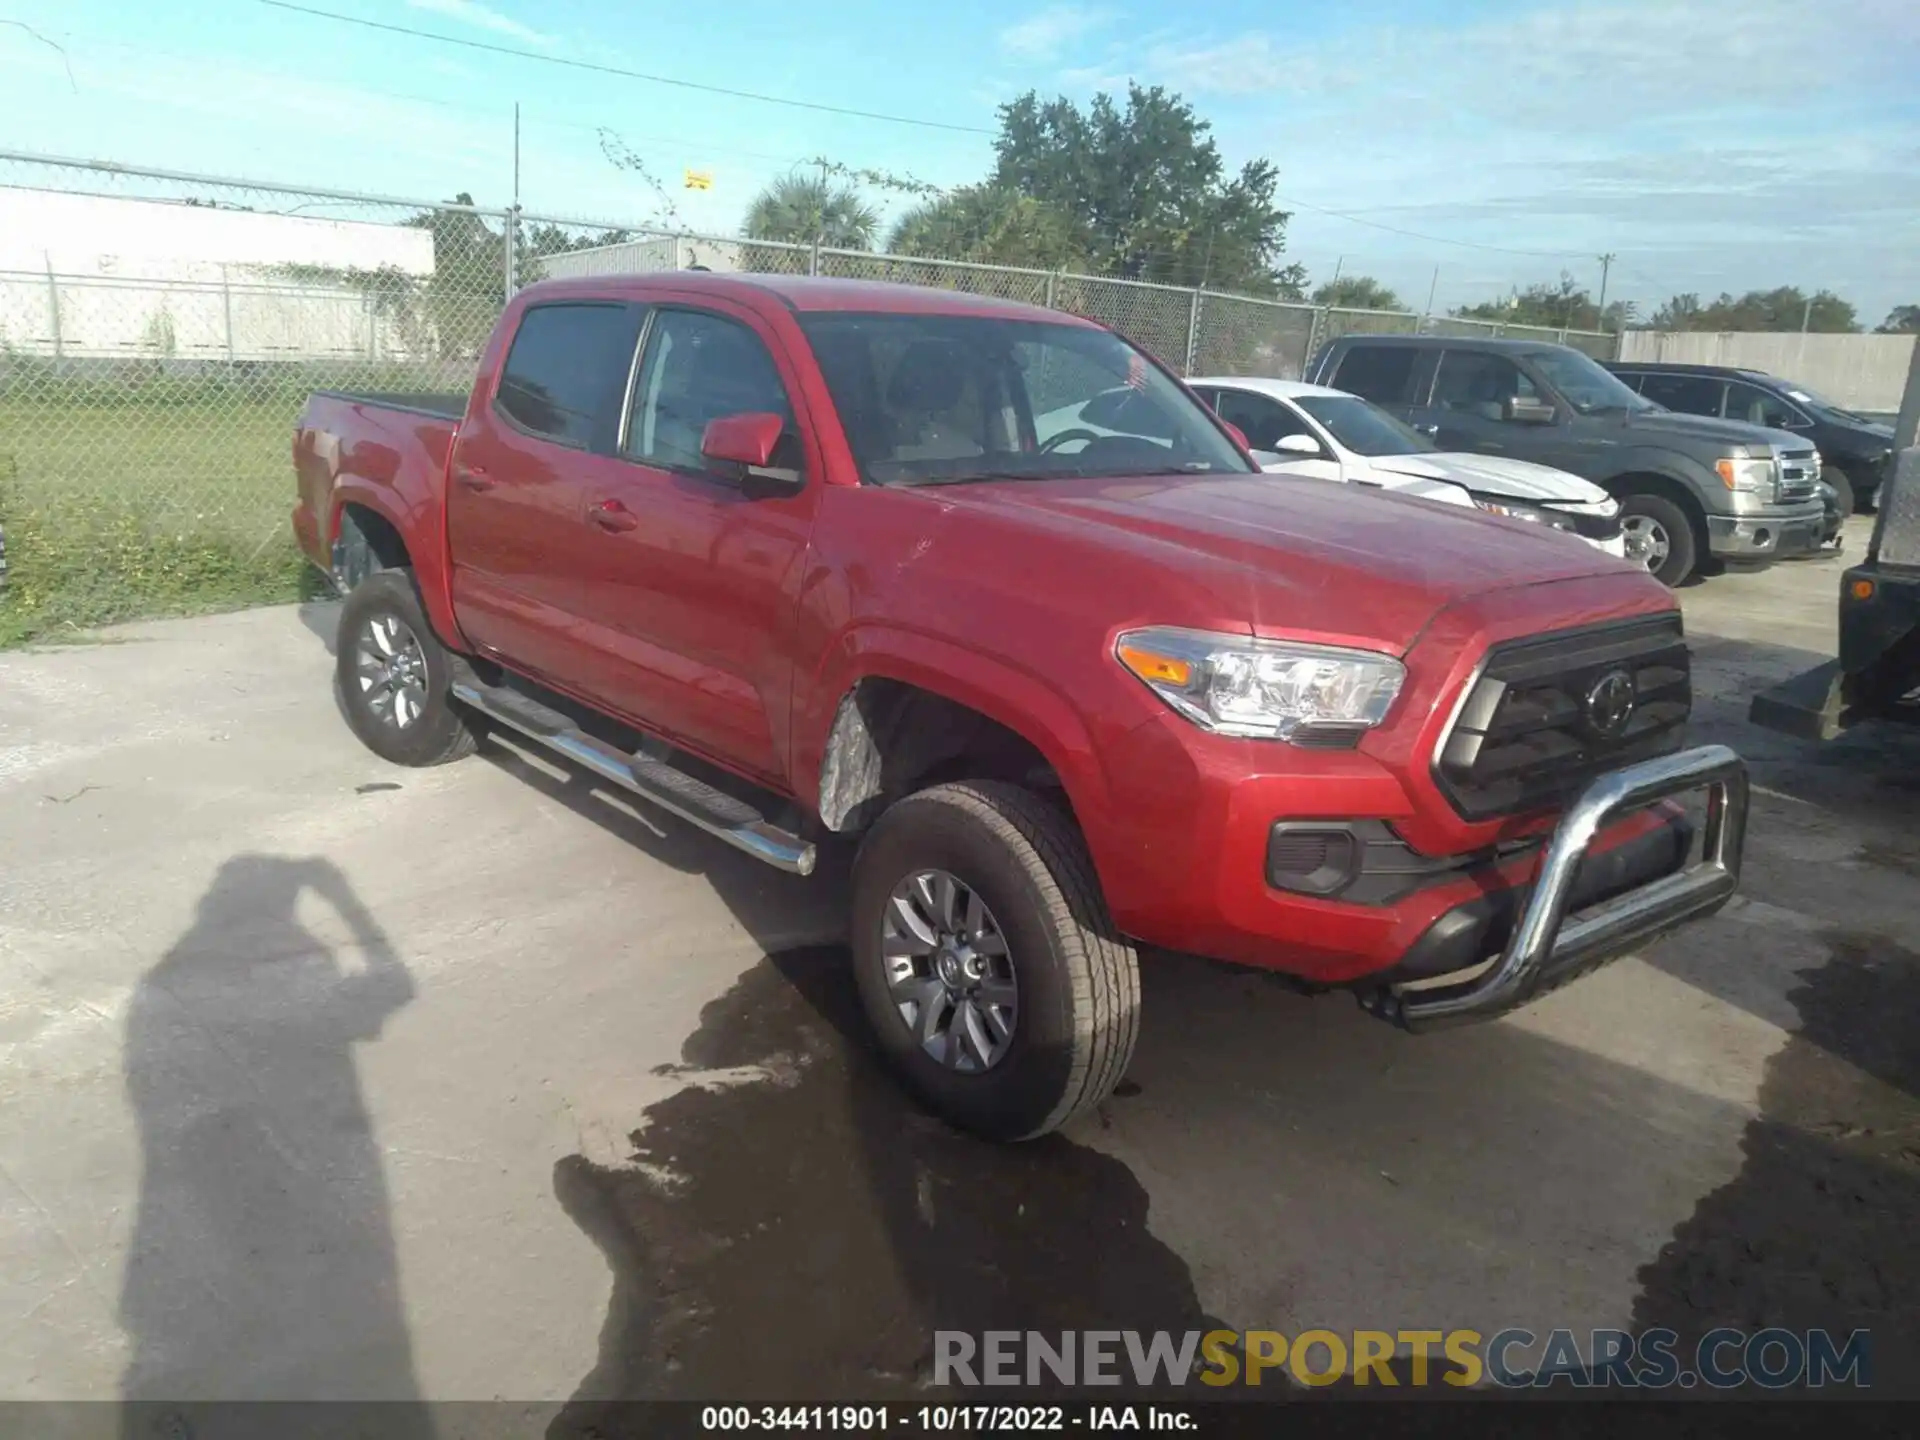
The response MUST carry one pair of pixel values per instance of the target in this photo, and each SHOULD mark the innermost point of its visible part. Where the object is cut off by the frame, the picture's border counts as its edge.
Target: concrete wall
(1860, 372)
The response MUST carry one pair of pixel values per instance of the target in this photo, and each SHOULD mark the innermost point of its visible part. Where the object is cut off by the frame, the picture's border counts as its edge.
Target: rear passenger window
(1380, 373)
(567, 372)
(1689, 394)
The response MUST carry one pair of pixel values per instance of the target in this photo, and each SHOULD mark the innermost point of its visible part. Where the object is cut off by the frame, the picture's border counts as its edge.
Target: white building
(95, 275)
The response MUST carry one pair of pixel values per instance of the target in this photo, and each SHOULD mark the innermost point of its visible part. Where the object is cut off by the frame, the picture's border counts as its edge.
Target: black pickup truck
(1690, 487)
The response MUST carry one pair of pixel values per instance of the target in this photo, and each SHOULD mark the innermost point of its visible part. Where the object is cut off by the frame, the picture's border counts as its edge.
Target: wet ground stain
(799, 1232)
(1821, 1227)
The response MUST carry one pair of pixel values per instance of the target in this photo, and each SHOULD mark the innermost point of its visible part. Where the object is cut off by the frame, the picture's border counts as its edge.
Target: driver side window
(698, 367)
(1263, 420)
(1471, 383)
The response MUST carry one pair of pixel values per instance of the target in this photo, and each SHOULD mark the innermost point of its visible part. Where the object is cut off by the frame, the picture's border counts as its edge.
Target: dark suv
(1689, 487)
(1855, 452)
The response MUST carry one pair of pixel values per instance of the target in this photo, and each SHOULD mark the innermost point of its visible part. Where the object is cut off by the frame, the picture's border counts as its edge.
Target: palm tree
(801, 209)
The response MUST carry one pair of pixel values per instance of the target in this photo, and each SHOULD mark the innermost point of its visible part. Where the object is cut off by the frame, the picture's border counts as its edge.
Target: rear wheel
(395, 677)
(1659, 537)
(987, 962)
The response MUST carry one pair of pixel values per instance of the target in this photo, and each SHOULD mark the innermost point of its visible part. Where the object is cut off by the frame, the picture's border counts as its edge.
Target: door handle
(472, 477)
(612, 515)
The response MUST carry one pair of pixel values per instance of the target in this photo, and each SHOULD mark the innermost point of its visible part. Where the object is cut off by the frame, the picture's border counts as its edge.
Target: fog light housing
(1310, 858)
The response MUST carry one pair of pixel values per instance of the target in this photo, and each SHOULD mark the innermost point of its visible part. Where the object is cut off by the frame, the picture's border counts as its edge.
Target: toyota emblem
(1609, 704)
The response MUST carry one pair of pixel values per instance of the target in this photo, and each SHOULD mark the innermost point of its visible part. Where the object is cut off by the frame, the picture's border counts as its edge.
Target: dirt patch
(797, 1230)
(1821, 1228)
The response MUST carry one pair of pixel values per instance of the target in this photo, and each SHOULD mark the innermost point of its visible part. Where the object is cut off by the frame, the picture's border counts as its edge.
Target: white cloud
(1044, 34)
(484, 17)
(1756, 144)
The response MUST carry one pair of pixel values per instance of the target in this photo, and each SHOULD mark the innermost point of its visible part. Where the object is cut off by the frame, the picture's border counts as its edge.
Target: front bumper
(1549, 944)
(1768, 534)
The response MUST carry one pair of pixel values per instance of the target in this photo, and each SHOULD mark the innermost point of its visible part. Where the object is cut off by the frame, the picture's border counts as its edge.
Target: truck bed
(447, 405)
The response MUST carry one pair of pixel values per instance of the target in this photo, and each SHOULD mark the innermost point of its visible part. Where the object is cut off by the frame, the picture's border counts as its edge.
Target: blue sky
(1711, 144)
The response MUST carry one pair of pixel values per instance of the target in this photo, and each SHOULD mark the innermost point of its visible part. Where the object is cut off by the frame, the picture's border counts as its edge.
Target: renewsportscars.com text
(1511, 1359)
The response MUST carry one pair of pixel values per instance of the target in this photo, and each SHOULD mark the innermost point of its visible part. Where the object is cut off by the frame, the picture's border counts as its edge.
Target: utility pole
(1806, 316)
(1432, 290)
(1336, 270)
(1606, 265)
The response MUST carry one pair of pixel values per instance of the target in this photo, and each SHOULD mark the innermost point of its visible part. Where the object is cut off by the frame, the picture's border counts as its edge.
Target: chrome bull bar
(1547, 949)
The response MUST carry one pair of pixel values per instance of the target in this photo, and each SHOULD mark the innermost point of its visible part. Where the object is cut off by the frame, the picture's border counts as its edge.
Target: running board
(654, 781)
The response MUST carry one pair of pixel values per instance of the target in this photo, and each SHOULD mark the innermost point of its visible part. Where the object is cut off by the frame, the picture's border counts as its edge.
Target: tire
(1075, 983)
(409, 723)
(1842, 484)
(1674, 553)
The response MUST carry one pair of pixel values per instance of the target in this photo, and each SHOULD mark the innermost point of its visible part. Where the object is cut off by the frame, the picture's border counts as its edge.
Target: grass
(122, 507)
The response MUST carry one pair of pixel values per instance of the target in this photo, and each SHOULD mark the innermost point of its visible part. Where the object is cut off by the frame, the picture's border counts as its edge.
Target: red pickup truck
(988, 587)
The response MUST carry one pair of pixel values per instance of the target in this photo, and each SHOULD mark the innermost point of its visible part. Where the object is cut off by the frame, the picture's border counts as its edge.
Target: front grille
(1538, 724)
(1798, 471)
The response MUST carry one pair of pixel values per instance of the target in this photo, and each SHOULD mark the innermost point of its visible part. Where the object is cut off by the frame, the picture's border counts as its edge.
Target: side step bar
(654, 781)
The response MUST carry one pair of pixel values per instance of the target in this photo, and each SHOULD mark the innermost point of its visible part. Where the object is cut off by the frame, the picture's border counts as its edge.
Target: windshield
(1583, 384)
(1363, 427)
(1817, 401)
(944, 399)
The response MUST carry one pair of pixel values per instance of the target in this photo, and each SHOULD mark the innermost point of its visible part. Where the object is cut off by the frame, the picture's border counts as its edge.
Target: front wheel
(986, 960)
(395, 677)
(1659, 537)
(1844, 496)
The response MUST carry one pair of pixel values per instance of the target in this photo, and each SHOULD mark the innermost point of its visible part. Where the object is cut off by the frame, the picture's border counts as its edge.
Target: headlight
(1516, 510)
(1737, 473)
(1263, 689)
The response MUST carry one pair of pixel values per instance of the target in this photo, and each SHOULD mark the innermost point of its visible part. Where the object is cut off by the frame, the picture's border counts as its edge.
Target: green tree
(801, 209)
(1565, 305)
(1901, 320)
(1786, 307)
(1357, 292)
(991, 225)
(1148, 190)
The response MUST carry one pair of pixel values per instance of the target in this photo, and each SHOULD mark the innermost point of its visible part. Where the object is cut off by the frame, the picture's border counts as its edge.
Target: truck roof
(1451, 342)
(805, 293)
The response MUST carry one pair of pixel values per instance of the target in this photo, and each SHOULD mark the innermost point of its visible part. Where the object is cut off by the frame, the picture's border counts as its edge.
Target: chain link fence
(159, 332)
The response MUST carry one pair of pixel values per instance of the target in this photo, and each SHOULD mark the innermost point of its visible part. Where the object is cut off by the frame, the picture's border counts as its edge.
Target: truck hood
(1494, 475)
(1671, 424)
(1300, 557)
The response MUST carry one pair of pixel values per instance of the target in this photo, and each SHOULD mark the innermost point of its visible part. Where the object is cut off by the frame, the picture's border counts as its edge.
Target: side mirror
(746, 443)
(1524, 410)
(1299, 445)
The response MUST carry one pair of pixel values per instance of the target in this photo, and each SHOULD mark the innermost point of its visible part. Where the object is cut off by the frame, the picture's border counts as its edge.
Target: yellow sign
(699, 179)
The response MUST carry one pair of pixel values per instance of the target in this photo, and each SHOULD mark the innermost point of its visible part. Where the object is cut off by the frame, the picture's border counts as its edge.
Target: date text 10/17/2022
(944, 1419)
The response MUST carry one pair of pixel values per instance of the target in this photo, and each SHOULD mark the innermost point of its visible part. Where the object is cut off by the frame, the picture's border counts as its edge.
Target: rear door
(516, 527)
(1388, 375)
(689, 581)
(1688, 394)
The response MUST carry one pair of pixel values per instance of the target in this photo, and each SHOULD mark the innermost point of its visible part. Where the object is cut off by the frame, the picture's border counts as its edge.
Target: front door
(689, 589)
(1266, 422)
(1468, 407)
